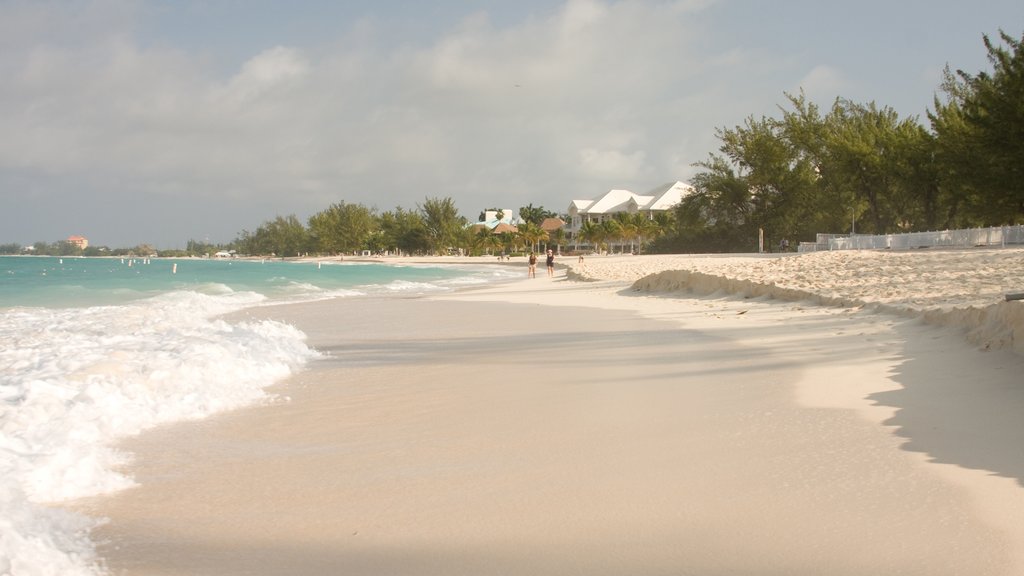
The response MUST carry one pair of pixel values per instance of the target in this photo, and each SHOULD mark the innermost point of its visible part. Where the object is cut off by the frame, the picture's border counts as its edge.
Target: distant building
(81, 241)
(612, 202)
(489, 218)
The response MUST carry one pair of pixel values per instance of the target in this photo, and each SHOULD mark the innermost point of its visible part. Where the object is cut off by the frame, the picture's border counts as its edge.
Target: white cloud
(823, 84)
(613, 164)
(559, 106)
(272, 69)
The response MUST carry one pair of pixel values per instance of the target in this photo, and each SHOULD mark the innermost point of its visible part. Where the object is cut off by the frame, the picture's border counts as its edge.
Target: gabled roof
(612, 201)
(640, 202)
(551, 224)
(667, 195)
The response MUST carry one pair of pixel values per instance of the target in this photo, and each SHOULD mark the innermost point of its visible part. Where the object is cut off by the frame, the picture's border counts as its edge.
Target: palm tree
(535, 215)
(483, 240)
(558, 236)
(532, 234)
(613, 233)
(628, 223)
(593, 234)
(646, 229)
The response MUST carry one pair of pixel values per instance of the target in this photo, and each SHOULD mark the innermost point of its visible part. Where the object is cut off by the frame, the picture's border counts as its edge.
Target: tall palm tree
(628, 224)
(646, 229)
(612, 233)
(592, 233)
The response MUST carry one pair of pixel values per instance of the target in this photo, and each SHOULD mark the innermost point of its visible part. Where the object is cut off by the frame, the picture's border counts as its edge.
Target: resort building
(606, 206)
(490, 219)
(81, 241)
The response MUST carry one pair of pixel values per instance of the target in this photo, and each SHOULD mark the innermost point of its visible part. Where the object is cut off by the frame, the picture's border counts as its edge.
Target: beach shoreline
(547, 426)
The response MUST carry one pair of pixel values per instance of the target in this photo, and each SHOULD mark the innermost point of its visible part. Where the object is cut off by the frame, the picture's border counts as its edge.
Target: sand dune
(959, 288)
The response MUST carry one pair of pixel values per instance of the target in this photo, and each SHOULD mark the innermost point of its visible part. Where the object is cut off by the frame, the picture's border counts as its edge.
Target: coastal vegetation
(434, 227)
(861, 168)
(853, 168)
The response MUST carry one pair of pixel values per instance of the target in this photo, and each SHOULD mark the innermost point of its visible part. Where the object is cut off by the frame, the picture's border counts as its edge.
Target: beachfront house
(80, 241)
(490, 219)
(612, 202)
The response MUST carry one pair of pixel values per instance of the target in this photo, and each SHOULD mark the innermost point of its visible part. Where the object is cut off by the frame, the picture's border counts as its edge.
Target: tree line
(65, 248)
(860, 168)
(434, 227)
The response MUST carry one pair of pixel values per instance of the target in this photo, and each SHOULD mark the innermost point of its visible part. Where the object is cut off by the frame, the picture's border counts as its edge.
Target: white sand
(558, 427)
(961, 288)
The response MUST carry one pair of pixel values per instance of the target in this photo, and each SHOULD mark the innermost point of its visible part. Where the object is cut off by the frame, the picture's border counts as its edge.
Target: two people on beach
(532, 262)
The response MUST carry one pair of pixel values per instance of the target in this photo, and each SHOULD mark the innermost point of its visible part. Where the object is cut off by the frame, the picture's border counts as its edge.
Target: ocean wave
(76, 380)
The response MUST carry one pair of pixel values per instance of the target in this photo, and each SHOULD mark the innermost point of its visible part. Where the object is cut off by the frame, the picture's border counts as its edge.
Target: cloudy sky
(157, 121)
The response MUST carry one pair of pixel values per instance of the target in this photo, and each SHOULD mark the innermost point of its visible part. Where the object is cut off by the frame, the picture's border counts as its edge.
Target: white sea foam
(72, 381)
(414, 287)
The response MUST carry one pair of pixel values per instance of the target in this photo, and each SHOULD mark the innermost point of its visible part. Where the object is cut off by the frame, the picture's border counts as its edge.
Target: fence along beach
(554, 426)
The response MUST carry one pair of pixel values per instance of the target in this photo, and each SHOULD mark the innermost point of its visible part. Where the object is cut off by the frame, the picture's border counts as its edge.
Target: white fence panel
(966, 238)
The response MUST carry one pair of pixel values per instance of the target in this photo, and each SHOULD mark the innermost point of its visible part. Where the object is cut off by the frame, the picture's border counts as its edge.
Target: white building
(612, 202)
(491, 220)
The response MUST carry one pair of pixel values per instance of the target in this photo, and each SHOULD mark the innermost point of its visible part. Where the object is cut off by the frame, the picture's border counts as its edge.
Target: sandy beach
(836, 413)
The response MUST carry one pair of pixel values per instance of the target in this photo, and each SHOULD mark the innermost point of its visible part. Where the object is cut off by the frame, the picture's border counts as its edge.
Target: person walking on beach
(532, 270)
(551, 263)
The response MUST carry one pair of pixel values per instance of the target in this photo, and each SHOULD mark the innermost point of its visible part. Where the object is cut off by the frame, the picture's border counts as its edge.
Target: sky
(161, 121)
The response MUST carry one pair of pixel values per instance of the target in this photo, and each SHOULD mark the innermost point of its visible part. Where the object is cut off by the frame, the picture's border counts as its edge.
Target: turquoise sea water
(53, 282)
(96, 349)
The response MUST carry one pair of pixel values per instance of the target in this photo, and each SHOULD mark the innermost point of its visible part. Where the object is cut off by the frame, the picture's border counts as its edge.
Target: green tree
(805, 173)
(65, 248)
(957, 162)
(872, 153)
(342, 228)
(442, 222)
(593, 234)
(981, 133)
(403, 231)
(630, 225)
(196, 248)
(612, 233)
(283, 236)
(532, 234)
(558, 237)
(482, 241)
(535, 216)
(717, 216)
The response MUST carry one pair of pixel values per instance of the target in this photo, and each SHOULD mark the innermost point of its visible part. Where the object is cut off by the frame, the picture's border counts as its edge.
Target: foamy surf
(76, 380)
(96, 349)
